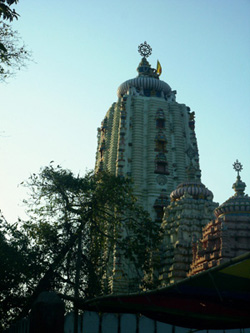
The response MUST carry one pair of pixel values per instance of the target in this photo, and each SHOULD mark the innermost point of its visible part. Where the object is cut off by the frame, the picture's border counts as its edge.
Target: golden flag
(159, 69)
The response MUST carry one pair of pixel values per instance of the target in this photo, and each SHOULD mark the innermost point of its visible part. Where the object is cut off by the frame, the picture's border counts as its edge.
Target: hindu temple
(190, 209)
(228, 235)
(150, 137)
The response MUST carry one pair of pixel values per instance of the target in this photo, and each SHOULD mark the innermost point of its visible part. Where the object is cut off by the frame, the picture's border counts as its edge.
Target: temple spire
(238, 167)
(144, 68)
(145, 50)
(239, 186)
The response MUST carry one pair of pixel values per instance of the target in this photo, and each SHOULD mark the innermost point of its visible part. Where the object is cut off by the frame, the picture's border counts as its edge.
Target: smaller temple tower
(228, 235)
(190, 209)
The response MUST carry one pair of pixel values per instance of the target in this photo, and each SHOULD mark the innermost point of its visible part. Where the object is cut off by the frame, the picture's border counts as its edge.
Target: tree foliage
(13, 53)
(75, 224)
(19, 271)
(6, 12)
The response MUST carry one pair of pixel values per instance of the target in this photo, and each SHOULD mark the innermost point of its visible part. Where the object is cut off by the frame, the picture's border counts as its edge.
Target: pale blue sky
(83, 50)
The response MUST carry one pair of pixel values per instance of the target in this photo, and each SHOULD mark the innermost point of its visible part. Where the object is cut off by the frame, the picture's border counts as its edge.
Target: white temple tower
(148, 136)
(190, 209)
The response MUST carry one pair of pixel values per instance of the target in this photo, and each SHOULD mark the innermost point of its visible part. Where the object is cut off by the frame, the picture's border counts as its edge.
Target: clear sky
(83, 50)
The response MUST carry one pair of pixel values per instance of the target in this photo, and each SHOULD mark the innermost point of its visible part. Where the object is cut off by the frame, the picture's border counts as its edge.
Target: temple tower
(190, 209)
(228, 235)
(148, 136)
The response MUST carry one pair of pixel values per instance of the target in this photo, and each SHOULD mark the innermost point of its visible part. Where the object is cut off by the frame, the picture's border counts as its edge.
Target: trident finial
(145, 49)
(237, 167)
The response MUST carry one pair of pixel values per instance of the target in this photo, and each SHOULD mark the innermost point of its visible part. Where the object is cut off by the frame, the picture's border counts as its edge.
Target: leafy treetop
(13, 53)
(75, 226)
(6, 13)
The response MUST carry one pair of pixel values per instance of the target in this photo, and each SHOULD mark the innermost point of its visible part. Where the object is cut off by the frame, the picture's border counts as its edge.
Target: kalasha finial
(145, 49)
(237, 167)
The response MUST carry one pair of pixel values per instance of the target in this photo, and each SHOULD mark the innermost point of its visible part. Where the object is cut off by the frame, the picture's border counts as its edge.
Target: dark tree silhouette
(13, 53)
(75, 223)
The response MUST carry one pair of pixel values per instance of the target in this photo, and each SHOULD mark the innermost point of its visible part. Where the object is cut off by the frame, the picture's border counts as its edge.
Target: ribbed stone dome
(144, 82)
(196, 190)
(238, 203)
(192, 187)
(147, 79)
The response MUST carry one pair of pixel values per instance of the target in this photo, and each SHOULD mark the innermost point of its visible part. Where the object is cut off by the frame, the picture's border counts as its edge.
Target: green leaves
(19, 270)
(76, 225)
(6, 12)
(2, 48)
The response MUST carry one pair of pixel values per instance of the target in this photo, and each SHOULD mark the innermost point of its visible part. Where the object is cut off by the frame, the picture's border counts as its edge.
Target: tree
(13, 53)
(6, 12)
(75, 223)
(19, 270)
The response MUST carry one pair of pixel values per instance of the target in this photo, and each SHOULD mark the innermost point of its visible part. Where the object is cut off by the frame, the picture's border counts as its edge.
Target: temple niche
(228, 235)
(190, 209)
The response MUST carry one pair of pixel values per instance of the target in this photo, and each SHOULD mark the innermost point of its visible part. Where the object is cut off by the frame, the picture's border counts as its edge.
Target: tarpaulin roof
(218, 298)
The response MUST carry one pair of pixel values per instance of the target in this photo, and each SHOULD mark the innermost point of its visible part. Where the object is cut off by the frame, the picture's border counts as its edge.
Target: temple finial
(237, 167)
(145, 50)
(239, 186)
